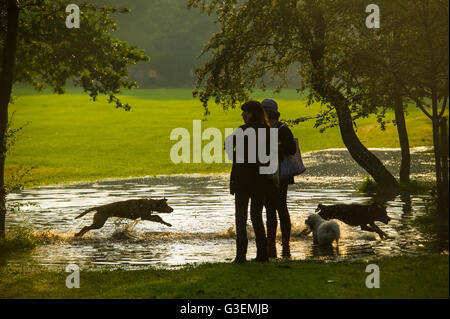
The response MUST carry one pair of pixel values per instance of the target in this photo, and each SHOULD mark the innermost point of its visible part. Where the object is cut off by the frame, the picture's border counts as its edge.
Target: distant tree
(38, 49)
(258, 37)
(407, 60)
(368, 55)
(422, 72)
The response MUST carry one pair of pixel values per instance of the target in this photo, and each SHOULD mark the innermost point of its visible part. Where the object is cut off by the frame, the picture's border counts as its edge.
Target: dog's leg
(306, 231)
(367, 228)
(156, 219)
(99, 221)
(379, 231)
(315, 240)
(83, 231)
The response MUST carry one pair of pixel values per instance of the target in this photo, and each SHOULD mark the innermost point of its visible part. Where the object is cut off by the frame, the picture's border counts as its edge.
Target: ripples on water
(203, 217)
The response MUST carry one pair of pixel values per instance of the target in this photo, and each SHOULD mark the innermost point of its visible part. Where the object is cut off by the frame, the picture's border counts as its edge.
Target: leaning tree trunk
(6, 81)
(405, 166)
(366, 159)
(360, 153)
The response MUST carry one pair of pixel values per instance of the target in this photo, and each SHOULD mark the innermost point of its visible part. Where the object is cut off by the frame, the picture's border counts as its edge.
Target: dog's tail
(85, 212)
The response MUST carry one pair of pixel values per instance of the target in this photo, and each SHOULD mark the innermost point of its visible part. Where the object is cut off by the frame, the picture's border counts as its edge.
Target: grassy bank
(369, 186)
(400, 277)
(19, 239)
(70, 138)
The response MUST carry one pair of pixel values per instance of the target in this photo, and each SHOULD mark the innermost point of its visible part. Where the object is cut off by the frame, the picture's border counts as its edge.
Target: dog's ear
(161, 202)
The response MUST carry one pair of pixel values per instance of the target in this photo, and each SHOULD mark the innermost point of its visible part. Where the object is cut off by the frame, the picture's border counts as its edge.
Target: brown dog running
(131, 209)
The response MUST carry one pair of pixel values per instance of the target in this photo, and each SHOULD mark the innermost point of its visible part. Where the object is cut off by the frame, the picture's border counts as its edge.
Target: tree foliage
(353, 71)
(258, 37)
(270, 37)
(38, 49)
(50, 54)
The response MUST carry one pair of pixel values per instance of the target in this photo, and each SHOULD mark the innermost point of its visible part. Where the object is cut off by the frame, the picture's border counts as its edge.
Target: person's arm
(287, 141)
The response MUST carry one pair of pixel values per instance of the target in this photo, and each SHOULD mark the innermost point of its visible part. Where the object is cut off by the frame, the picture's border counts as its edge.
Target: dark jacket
(286, 145)
(245, 177)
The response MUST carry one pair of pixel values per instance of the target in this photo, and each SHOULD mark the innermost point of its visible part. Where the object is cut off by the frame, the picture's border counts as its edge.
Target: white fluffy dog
(324, 232)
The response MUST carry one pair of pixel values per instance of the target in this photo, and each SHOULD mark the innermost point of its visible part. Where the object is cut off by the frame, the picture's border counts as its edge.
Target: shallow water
(203, 217)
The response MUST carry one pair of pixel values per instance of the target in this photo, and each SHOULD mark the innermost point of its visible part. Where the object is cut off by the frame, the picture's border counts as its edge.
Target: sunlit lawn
(400, 277)
(70, 138)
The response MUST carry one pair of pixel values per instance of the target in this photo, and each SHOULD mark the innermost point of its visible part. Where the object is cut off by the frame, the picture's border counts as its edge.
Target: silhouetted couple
(248, 184)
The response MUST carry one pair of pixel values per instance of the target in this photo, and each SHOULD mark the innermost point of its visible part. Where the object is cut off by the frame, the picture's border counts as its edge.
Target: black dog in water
(357, 215)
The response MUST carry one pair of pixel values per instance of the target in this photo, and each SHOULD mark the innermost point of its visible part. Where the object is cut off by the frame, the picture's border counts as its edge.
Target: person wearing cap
(276, 201)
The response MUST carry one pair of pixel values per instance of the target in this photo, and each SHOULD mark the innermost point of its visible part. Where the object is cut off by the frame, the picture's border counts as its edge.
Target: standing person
(246, 182)
(277, 198)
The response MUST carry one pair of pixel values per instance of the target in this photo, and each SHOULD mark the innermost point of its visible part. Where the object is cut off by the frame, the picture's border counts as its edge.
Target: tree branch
(419, 104)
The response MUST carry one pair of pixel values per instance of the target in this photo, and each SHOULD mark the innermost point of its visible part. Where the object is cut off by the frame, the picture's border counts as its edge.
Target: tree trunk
(405, 166)
(437, 163)
(366, 159)
(444, 164)
(387, 183)
(6, 81)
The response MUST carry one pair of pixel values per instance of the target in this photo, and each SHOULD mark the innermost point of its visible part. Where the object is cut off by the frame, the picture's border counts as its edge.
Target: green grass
(369, 186)
(70, 138)
(19, 239)
(400, 277)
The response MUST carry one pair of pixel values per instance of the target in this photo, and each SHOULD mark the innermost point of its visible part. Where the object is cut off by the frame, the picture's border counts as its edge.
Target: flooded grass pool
(203, 217)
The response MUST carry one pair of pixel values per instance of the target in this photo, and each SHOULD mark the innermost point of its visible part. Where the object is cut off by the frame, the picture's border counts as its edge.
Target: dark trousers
(275, 201)
(256, 206)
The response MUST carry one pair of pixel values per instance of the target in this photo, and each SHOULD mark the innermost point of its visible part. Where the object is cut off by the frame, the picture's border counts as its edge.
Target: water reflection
(203, 219)
(407, 204)
(325, 251)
